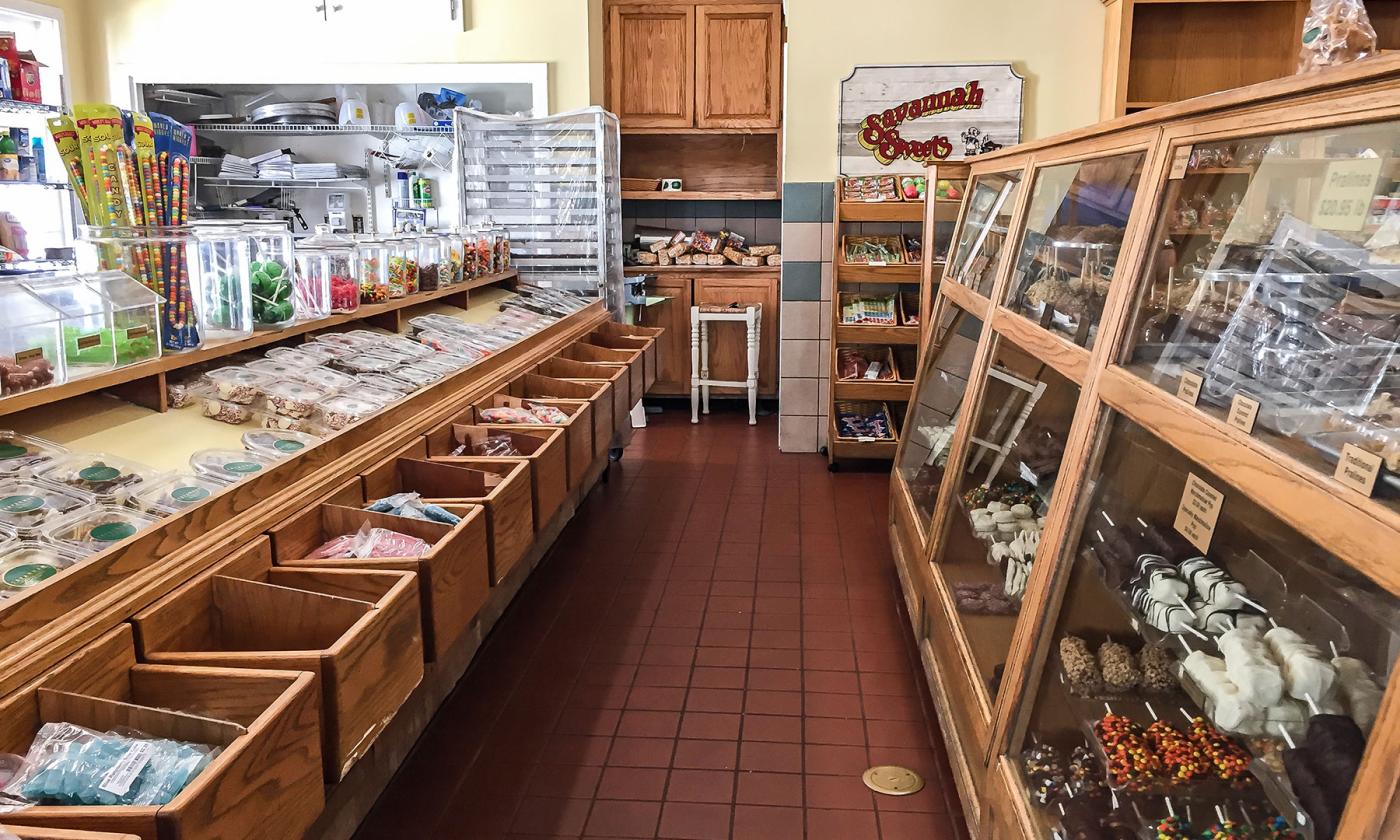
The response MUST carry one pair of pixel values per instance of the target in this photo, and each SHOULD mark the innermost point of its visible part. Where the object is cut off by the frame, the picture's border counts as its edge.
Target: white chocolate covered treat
(1358, 690)
(1305, 673)
(1229, 708)
(1249, 666)
(1212, 583)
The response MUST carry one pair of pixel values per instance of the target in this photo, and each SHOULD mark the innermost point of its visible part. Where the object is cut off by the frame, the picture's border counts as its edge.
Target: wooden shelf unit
(1268, 491)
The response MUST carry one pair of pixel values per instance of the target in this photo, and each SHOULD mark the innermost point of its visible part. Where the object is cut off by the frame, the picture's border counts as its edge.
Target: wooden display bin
(25, 832)
(578, 430)
(358, 631)
(582, 351)
(597, 391)
(453, 577)
(502, 487)
(265, 783)
(542, 448)
(615, 374)
(633, 337)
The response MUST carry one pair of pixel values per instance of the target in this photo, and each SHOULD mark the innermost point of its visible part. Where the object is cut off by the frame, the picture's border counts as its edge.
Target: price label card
(877, 263)
(1357, 468)
(1189, 390)
(1344, 200)
(1198, 512)
(1243, 412)
(1180, 159)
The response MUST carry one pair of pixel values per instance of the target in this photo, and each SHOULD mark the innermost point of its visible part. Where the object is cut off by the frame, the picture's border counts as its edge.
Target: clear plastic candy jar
(372, 256)
(275, 299)
(326, 265)
(430, 259)
(452, 248)
(485, 245)
(164, 260)
(224, 298)
(403, 266)
(31, 342)
(470, 260)
(500, 248)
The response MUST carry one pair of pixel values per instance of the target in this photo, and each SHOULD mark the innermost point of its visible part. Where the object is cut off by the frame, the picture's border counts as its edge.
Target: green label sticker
(288, 445)
(102, 473)
(112, 531)
(21, 504)
(12, 450)
(189, 495)
(26, 575)
(1311, 35)
(242, 467)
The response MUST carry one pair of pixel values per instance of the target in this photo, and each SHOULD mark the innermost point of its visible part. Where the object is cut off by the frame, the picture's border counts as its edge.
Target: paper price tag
(1243, 412)
(1181, 158)
(1358, 469)
(877, 263)
(1189, 391)
(873, 372)
(1198, 512)
(1347, 189)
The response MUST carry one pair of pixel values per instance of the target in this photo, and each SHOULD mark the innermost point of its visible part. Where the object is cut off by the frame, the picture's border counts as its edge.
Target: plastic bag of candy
(371, 542)
(412, 506)
(1335, 32)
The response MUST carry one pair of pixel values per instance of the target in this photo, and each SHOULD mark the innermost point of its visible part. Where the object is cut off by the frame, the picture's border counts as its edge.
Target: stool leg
(694, 366)
(752, 336)
(705, 367)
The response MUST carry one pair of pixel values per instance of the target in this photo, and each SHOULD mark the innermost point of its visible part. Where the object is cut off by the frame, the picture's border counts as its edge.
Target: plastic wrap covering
(553, 183)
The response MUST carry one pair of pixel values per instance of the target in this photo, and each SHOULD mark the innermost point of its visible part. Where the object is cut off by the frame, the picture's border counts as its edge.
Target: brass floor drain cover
(893, 781)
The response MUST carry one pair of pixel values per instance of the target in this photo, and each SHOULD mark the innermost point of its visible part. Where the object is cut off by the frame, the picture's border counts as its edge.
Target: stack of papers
(281, 164)
(234, 166)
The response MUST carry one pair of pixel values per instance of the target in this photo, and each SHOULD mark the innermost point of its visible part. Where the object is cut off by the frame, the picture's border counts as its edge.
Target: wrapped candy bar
(372, 542)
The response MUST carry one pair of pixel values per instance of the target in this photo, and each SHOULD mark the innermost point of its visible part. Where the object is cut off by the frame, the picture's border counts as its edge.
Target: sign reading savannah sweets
(899, 118)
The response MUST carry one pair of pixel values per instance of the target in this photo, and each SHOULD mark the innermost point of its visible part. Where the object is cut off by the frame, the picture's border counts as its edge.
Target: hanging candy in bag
(1335, 32)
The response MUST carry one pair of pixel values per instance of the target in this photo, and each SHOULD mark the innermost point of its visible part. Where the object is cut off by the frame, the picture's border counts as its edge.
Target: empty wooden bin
(597, 391)
(453, 577)
(542, 447)
(502, 488)
(359, 631)
(632, 337)
(616, 374)
(578, 428)
(266, 781)
(582, 351)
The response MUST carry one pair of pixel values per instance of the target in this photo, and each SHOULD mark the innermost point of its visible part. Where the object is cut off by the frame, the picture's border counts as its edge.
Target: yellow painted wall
(1057, 45)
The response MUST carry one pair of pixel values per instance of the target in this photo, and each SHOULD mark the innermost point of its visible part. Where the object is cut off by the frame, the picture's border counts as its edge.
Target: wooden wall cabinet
(738, 66)
(727, 342)
(673, 356)
(651, 65)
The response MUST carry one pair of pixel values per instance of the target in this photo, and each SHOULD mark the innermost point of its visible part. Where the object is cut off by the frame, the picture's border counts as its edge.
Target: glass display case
(991, 198)
(1274, 290)
(1068, 255)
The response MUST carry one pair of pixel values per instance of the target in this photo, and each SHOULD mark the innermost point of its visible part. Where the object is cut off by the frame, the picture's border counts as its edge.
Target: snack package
(509, 414)
(483, 443)
(1335, 32)
(547, 413)
(372, 542)
(412, 506)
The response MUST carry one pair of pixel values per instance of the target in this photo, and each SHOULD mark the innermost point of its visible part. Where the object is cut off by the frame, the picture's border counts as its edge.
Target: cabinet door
(738, 68)
(651, 66)
(728, 346)
(673, 350)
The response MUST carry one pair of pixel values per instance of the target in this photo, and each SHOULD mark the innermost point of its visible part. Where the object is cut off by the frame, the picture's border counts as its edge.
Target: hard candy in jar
(276, 443)
(23, 454)
(28, 563)
(107, 477)
(27, 503)
(91, 531)
(345, 293)
(172, 494)
(272, 293)
(294, 399)
(228, 465)
(344, 410)
(236, 384)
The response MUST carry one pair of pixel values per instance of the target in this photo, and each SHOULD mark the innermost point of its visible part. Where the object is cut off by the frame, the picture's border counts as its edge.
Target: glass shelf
(990, 201)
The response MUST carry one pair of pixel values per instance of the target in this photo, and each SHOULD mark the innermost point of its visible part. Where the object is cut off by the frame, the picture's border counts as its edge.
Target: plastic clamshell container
(387, 352)
(31, 342)
(27, 503)
(28, 563)
(347, 339)
(385, 383)
(344, 410)
(404, 345)
(22, 454)
(232, 413)
(299, 357)
(295, 399)
(274, 369)
(109, 478)
(324, 377)
(332, 350)
(169, 495)
(223, 292)
(278, 443)
(228, 465)
(88, 532)
(457, 361)
(416, 376)
(266, 419)
(365, 363)
(236, 384)
(135, 312)
(436, 364)
(89, 344)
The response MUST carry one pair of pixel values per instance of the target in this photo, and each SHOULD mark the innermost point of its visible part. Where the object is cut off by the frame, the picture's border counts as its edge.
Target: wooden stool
(700, 382)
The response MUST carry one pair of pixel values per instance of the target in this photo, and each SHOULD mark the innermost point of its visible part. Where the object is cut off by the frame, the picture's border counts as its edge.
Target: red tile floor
(715, 649)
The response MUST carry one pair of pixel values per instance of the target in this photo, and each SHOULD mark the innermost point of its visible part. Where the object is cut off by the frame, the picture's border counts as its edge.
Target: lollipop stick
(1311, 705)
(1283, 730)
(1260, 607)
(1185, 606)
(1197, 633)
(1111, 523)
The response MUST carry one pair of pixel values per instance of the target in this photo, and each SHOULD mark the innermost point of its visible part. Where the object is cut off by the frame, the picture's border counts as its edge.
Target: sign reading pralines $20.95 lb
(899, 118)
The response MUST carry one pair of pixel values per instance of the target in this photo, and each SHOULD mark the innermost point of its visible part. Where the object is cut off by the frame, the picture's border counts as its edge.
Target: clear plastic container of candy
(485, 252)
(228, 465)
(324, 377)
(28, 563)
(387, 352)
(437, 365)
(365, 363)
(27, 503)
(108, 478)
(236, 384)
(265, 418)
(224, 296)
(277, 301)
(294, 399)
(299, 357)
(459, 359)
(403, 345)
(274, 370)
(429, 261)
(277, 443)
(500, 245)
(330, 350)
(235, 414)
(88, 532)
(134, 316)
(344, 410)
(326, 263)
(173, 493)
(88, 343)
(385, 383)
(31, 342)
(23, 454)
(372, 255)
(163, 260)
(403, 265)
(470, 270)
(452, 244)
(416, 376)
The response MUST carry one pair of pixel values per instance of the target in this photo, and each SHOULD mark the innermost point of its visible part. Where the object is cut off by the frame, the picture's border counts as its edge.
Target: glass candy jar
(276, 299)
(372, 256)
(452, 246)
(223, 291)
(325, 262)
(430, 258)
(403, 266)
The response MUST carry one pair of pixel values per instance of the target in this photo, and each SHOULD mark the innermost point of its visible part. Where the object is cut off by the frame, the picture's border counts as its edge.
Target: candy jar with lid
(469, 255)
(372, 257)
(452, 247)
(403, 265)
(326, 265)
(502, 245)
(223, 289)
(429, 261)
(485, 245)
(270, 273)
